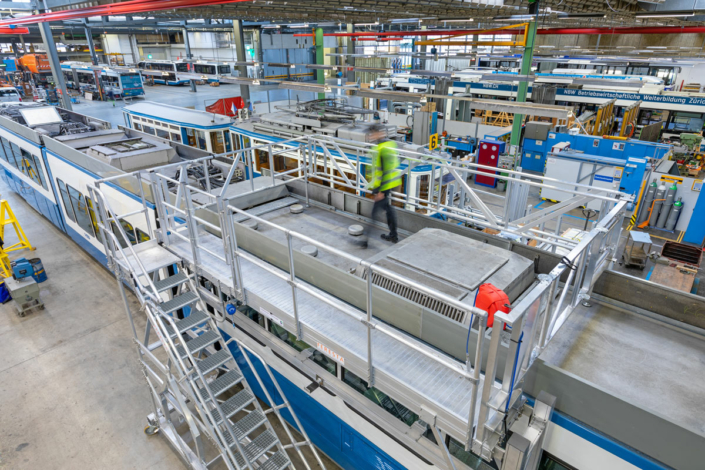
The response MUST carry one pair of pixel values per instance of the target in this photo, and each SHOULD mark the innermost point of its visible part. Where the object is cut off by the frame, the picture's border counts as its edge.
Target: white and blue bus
(120, 83)
(170, 71)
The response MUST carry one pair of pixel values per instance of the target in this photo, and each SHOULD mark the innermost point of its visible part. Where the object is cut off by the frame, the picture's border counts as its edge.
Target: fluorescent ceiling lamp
(665, 14)
(514, 18)
(552, 47)
(270, 26)
(455, 20)
(656, 47)
(575, 16)
(376, 23)
(305, 25)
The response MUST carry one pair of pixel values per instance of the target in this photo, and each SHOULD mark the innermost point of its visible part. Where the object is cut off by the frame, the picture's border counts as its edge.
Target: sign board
(433, 141)
(330, 353)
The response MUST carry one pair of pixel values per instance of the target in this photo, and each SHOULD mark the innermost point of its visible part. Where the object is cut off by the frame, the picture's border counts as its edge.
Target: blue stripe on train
(35, 199)
(333, 436)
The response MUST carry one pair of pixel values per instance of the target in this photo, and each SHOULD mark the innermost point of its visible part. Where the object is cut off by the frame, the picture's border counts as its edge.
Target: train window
(3, 145)
(203, 68)
(15, 156)
(176, 137)
(172, 127)
(387, 403)
(217, 144)
(66, 200)
(191, 136)
(457, 450)
(140, 65)
(182, 67)
(29, 166)
(149, 130)
(129, 231)
(141, 236)
(224, 69)
(138, 126)
(80, 209)
(94, 222)
(162, 133)
(201, 139)
(549, 462)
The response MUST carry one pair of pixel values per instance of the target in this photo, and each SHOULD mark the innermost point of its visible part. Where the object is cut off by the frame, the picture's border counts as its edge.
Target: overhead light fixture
(305, 25)
(656, 47)
(514, 18)
(376, 23)
(576, 16)
(455, 20)
(552, 47)
(665, 14)
(270, 26)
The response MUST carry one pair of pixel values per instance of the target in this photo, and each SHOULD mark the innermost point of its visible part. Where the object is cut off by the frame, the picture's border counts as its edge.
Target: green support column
(320, 74)
(525, 70)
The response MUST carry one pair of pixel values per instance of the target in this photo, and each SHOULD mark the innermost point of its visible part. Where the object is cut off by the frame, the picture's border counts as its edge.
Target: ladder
(191, 370)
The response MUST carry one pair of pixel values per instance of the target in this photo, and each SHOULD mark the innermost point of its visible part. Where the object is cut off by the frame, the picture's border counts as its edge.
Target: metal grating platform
(401, 364)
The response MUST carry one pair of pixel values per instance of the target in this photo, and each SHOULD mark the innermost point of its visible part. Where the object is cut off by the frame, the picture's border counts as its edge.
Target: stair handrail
(197, 393)
(105, 220)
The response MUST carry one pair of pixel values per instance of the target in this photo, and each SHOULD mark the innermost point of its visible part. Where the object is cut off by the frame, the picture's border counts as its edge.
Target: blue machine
(22, 268)
(535, 151)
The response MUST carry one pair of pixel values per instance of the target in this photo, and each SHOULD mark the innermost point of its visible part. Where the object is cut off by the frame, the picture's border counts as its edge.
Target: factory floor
(72, 394)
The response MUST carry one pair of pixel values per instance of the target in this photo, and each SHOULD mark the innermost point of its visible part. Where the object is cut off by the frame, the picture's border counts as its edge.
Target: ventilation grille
(418, 297)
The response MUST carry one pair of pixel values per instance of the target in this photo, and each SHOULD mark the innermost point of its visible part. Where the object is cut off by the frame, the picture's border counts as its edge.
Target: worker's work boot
(390, 238)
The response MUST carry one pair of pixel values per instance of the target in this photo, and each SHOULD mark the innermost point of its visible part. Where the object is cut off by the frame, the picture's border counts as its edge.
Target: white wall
(119, 43)
(204, 45)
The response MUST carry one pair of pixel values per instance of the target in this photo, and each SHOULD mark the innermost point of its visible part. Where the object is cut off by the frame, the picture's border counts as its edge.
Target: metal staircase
(198, 388)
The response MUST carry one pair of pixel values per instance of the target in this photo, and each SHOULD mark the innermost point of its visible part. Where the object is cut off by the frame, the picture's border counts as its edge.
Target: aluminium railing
(537, 317)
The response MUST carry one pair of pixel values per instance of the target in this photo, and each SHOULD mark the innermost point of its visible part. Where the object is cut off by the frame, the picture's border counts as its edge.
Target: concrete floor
(72, 394)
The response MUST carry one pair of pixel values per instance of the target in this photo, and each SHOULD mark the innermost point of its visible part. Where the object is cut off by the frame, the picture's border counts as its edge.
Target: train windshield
(203, 68)
(224, 69)
(182, 67)
(131, 80)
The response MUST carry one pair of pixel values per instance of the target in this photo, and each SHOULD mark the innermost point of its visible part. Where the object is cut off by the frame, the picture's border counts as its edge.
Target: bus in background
(210, 71)
(170, 71)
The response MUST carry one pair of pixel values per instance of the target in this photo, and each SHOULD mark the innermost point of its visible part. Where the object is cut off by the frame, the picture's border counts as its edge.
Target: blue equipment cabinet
(535, 151)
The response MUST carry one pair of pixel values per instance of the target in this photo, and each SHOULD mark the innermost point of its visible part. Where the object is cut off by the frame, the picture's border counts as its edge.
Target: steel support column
(241, 57)
(320, 59)
(53, 57)
(133, 48)
(525, 70)
(187, 44)
(15, 49)
(91, 46)
(350, 61)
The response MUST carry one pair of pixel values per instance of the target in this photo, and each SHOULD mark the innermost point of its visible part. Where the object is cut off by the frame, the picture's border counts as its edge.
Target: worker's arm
(374, 182)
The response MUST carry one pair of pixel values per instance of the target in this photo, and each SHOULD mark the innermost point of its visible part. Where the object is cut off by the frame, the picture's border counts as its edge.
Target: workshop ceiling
(599, 13)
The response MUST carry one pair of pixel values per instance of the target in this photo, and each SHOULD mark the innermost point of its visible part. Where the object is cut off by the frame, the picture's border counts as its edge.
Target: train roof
(178, 115)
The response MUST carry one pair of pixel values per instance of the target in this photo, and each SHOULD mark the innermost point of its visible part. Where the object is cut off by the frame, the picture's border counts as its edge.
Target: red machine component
(491, 299)
(488, 155)
(226, 106)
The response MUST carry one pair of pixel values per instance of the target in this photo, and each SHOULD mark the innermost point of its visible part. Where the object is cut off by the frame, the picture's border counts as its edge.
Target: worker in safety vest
(386, 176)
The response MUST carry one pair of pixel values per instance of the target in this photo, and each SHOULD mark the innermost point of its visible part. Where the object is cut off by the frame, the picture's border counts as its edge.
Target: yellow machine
(7, 217)
(604, 118)
(631, 113)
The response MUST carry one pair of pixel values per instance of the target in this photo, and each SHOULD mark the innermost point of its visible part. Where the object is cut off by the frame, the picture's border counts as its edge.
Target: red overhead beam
(6, 30)
(114, 9)
(543, 31)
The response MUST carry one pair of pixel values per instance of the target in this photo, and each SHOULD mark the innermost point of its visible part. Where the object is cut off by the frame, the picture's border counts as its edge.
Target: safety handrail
(96, 191)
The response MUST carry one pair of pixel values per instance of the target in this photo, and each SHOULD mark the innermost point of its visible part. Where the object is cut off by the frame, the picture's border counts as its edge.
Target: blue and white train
(44, 159)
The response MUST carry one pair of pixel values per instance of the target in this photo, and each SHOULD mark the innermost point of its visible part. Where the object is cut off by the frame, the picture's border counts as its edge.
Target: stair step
(199, 343)
(171, 281)
(245, 426)
(257, 448)
(195, 318)
(222, 383)
(233, 404)
(180, 301)
(278, 461)
(249, 423)
(214, 361)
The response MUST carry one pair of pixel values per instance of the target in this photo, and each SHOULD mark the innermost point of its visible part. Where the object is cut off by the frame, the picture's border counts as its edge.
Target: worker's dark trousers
(385, 204)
